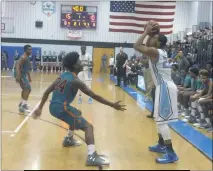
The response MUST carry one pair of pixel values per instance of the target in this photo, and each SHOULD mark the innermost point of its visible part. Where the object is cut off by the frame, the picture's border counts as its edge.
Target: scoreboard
(79, 17)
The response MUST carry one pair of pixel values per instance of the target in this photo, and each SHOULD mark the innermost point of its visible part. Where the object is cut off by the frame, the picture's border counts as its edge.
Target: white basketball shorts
(86, 77)
(165, 109)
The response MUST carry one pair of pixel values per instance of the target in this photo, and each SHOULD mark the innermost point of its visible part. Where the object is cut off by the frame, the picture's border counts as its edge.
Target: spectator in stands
(205, 108)
(128, 72)
(174, 53)
(4, 58)
(184, 95)
(185, 80)
(103, 63)
(185, 84)
(209, 68)
(206, 90)
(111, 64)
(175, 74)
(183, 62)
(169, 52)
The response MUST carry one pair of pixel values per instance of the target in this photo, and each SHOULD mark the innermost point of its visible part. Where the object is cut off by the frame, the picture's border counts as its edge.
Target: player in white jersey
(85, 75)
(165, 94)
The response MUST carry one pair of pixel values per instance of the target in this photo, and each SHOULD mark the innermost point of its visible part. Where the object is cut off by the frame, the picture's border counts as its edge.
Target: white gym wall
(25, 14)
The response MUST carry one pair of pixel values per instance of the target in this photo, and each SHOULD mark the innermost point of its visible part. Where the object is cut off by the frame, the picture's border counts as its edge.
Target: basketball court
(123, 136)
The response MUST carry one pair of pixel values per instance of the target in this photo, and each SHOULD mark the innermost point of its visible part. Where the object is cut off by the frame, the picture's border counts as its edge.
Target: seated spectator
(205, 92)
(206, 108)
(132, 73)
(111, 64)
(184, 95)
(175, 74)
(185, 80)
(183, 62)
(209, 69)
(173, 53)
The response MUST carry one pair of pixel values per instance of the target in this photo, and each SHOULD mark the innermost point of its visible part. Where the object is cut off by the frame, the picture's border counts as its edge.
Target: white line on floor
(25, 120)
(7, 132)
(19, 95)
(6, 76)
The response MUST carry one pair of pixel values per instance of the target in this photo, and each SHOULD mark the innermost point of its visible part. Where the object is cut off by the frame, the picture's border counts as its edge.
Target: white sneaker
(185, 120)
(187, 117)
(197, 125)
(183, 114)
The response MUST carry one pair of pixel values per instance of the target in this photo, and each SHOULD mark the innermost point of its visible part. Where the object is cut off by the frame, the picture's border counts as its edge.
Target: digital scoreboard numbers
(78, 17)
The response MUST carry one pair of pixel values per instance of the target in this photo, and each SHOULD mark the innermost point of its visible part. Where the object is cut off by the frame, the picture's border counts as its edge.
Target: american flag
(131, 16)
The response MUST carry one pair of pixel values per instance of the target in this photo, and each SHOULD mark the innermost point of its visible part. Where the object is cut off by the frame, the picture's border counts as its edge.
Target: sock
(208, 121)
(179, 106)
(169, 146)
(200, 109)
(160, 140)
(186, 111)
(24, 102)
(91, 149)
(70, 133)
(182, 107)
(193, 108)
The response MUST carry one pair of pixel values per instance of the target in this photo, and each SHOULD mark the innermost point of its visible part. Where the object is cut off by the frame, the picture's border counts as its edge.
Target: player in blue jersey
(22, 76)
(165, 106)
(64, 90)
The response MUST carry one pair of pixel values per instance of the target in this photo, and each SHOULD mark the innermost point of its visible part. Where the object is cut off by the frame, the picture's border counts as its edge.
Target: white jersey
(85, 60)
(161, 71)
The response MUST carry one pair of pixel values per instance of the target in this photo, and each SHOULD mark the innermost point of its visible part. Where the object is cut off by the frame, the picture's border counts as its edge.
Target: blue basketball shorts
(69, 115)
(24, 82)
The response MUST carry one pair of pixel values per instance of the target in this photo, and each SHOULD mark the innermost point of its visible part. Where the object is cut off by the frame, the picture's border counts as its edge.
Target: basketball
(156, 29)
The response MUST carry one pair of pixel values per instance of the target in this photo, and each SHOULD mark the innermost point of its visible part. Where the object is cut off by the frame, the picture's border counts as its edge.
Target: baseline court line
(27, 117)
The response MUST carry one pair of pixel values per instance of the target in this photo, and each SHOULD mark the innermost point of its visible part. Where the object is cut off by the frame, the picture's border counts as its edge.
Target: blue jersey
(64, 93)
(25, 67)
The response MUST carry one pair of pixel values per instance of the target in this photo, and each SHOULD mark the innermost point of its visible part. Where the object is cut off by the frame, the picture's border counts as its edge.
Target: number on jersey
(60, 84)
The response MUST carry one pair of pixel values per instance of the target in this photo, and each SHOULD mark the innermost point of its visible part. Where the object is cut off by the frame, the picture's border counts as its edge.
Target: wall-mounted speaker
(38, 24)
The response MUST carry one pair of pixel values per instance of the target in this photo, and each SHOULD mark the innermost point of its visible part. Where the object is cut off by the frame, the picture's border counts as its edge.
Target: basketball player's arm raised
(151, 52)
(81, 86)
(19, 65)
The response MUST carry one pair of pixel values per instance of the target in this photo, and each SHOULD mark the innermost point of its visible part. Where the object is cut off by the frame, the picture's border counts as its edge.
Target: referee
(121, 61)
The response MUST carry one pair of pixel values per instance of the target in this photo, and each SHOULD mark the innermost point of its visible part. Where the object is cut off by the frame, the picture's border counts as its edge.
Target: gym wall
(25, 14)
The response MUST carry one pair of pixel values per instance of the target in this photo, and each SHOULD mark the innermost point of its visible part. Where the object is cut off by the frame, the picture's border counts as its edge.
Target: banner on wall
(48, 7)
(74, 34)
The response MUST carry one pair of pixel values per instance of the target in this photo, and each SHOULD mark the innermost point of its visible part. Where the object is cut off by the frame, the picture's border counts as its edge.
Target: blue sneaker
(169, 157)
(80, 100)
(90, 100)
(158, 149)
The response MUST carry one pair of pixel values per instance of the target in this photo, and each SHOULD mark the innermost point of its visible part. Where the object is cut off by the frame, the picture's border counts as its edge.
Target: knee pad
(163, 129)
